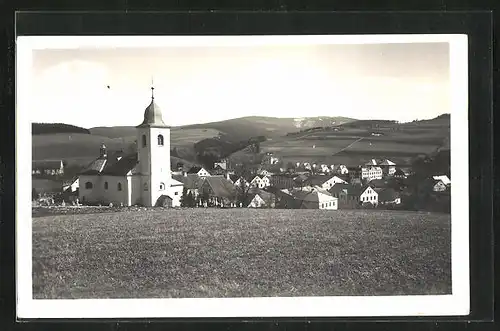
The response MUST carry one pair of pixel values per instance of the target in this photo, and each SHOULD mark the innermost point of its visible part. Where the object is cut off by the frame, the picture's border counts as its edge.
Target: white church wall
(92, 194)
(136, 190)
(100, 194)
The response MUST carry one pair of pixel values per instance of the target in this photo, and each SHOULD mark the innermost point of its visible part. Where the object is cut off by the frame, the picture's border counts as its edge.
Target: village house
(324, 168)
(142, 178)
(446, 181)
(219, 190)
(398, 173)
(260, 182)
(263, 172)
(192, 183)
(48, 168)
(269, 158)
(239, 181)
(199, 171)
(315, 199)
(438, 185)
(388, 167)
(346, 194)
(282, 181)
(388, 196)
(368, 195)
(369, 173)
(324, 181)
(260, 199)
(223, 164)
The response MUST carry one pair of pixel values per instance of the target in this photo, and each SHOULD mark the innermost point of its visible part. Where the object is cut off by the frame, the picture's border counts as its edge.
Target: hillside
(356, 142)
(252, 126)
(55, 128)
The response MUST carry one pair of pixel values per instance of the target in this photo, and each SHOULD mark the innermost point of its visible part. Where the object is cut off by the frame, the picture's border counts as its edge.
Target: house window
(160, 140)
(162, 186)
(88, 185)
(145, 186)
(105, 185)
(143, 140)
(119, 186)
(176, 193)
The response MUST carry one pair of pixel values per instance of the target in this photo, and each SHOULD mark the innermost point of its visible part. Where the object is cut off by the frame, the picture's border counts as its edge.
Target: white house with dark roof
(143, 178)
(388, 167)
(200, 171)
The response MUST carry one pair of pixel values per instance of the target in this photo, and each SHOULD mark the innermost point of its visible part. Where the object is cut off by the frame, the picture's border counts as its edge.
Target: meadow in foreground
(241, 252)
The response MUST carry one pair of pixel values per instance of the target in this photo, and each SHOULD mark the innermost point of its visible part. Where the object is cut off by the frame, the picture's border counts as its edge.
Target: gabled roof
(318, 179)
(309, 196)
(387, 162)
(357, 190)
(95, 167)
(120, 167)
(194, 170)
(378, 183)
(443, 178)
(190, 181)
(234, 177)
(282, 181)
(372, 162)
(220, 166)
(337, 188)
(387, 194)
(221, 187)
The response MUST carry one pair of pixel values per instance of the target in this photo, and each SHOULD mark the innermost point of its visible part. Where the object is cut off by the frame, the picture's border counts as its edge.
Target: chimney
(184, 173)
(227, 176)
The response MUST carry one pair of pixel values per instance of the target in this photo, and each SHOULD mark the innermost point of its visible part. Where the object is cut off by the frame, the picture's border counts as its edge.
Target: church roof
(112, 166)
(120, 167)
(152, 116)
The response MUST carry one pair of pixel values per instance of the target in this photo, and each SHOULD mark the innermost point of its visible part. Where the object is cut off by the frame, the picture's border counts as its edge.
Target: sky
(204, 84)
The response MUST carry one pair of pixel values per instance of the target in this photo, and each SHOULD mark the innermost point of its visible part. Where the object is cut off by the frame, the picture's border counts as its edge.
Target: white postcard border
(458, 303)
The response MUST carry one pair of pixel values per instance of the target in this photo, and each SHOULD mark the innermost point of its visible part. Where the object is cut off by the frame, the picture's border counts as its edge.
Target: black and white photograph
(235, 176)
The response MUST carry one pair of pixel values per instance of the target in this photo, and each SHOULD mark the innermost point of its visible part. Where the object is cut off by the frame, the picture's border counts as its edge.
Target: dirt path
(343, 149)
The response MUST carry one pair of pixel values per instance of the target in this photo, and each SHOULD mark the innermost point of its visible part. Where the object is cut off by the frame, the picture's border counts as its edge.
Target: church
(143, 178)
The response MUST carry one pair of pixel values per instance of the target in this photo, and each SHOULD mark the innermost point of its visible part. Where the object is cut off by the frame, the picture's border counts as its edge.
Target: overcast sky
(204, 84)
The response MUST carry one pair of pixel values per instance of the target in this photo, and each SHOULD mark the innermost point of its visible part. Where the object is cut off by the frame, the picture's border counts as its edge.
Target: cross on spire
(152, 89)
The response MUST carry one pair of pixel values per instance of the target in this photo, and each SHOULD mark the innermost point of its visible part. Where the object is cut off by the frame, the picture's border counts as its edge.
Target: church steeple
(152, 115)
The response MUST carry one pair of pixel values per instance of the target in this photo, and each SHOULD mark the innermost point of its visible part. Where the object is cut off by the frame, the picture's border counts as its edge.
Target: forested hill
(52, 128)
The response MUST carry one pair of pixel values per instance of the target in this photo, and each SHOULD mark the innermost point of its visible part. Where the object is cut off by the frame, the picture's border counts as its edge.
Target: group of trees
(188, 199)
(49, 128)
(420, 195)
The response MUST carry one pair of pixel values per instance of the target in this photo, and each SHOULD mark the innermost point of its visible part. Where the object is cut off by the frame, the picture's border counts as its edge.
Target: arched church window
(160, 140)
(119, 186)
(162, 186)
(105, 185)
(88, 185)
(145, 186)
(143, 140)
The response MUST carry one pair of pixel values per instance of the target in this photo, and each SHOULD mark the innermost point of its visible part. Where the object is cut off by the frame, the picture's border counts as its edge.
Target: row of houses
(284, 190)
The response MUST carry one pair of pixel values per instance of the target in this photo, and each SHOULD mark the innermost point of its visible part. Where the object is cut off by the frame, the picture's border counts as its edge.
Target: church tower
(153, 148)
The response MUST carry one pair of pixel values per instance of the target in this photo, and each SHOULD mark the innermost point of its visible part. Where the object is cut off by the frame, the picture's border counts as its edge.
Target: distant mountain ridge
(51, 128)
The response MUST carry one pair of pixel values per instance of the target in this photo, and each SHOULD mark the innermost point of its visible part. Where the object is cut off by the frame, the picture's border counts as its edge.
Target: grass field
(240, 252)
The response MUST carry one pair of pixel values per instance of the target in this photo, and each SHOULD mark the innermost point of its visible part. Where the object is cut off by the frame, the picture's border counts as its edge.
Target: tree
(190, 200)
(244, 172)
(184, 198)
